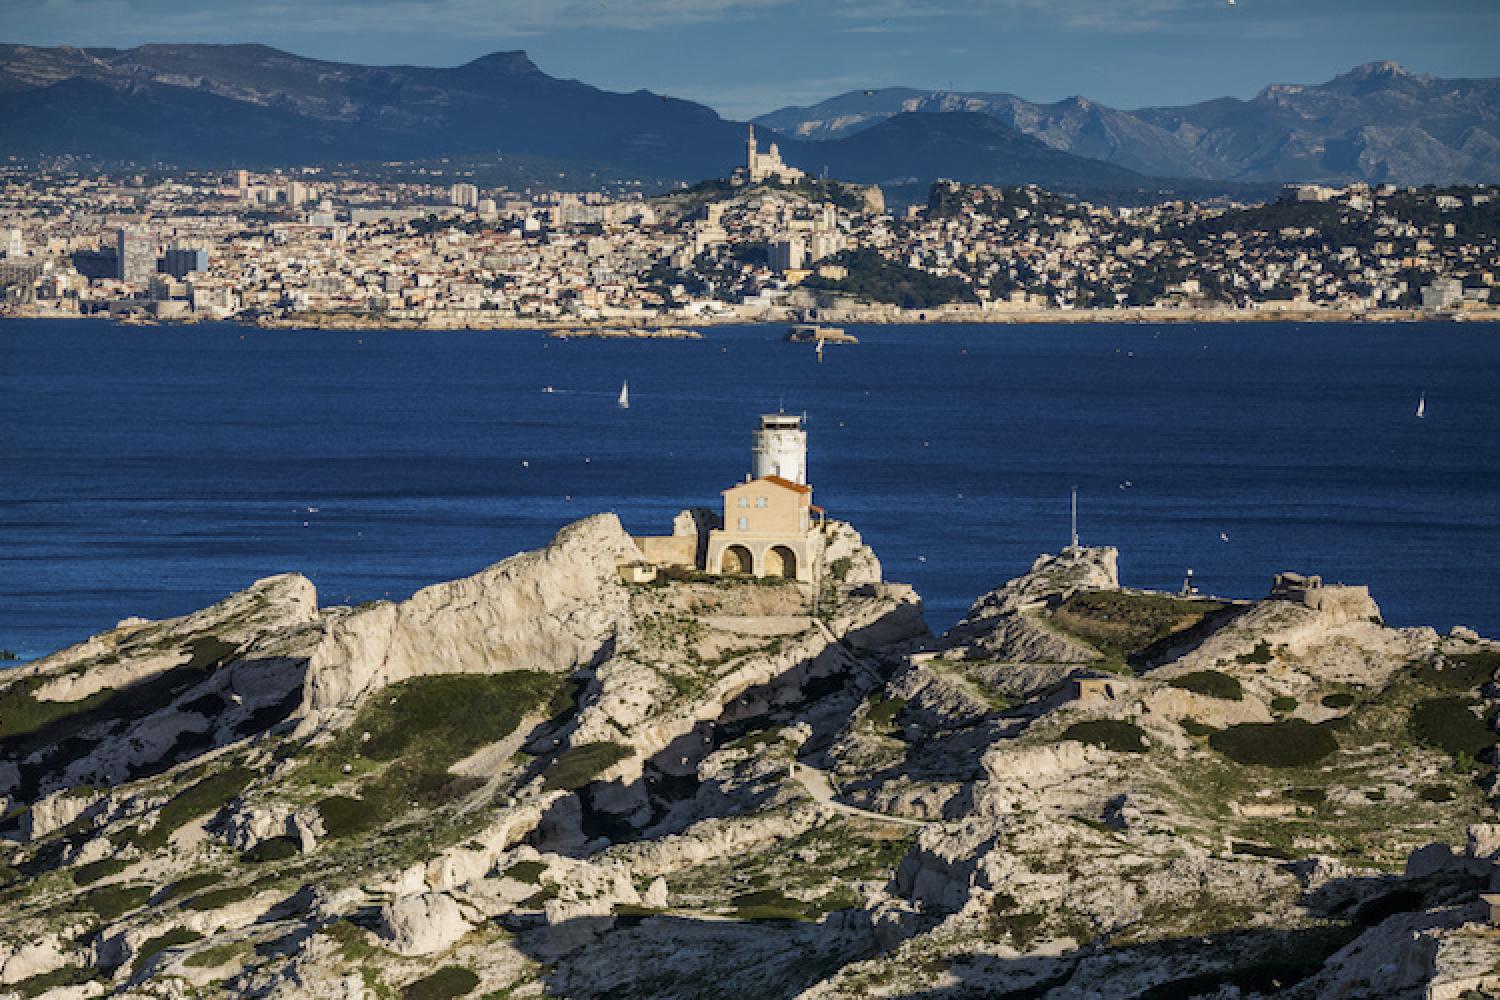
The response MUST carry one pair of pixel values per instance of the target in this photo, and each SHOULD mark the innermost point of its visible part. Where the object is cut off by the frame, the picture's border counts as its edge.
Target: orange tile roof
(786, 484)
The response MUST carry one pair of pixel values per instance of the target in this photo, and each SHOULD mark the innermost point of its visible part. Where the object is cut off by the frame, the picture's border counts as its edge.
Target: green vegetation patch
(883, 712)
(219, 898)
(206, 796)
(1260, 654)
(1463, 672)
(871, 276)
(191, 884)
(1131, 627)
(68, 975)
(1213, 683)
(1289, 743)
(110, 901)
(444, 984)
(159, 944)
(419, 728)
(352, 942)
(529, 872)
(95, 870)
(1283, 703)
(1338, 699)
(1436, 793)
(771, 904)
(577, 766)
(1111, 734)
(1195, 728)
(275, 849)
(22, 714)
(1450, 724)
(219, 954)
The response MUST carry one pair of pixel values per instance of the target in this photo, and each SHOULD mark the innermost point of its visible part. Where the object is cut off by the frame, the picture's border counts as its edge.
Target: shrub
(219, 897)
(159, 944)
(192, 883)
(1111, 734)
(1213, 683)
(1449, 724)
(1260, 654)
(444, 984)
(1338, 699)
(1283, 703)
(577, 766)
(92, 872)
(1195, 728)
(275, 849)
(344, 816)
(111, 901)
(1435, 793)
(1290, 743)
(529, 872)
(1128, 626)
(68, 975)
(883, 712)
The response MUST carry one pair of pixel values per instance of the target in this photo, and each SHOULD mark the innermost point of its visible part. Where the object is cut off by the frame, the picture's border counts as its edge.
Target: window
(744, 501)
(760, 501)
(744, 524)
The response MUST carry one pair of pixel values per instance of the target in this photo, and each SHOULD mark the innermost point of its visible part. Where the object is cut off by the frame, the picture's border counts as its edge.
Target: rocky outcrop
(425, 924)
(1000, 624)
(553, 609)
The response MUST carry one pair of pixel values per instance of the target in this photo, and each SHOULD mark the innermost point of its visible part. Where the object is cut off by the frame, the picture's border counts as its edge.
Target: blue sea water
(150, 471)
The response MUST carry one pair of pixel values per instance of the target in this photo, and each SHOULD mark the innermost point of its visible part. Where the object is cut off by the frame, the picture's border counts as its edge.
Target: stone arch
(781, 561)
(737, 561)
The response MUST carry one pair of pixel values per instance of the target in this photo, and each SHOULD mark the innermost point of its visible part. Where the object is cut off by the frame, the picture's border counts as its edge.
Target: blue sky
(745, 57)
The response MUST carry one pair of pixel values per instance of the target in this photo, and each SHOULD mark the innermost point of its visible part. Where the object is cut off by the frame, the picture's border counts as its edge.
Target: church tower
(752, 155)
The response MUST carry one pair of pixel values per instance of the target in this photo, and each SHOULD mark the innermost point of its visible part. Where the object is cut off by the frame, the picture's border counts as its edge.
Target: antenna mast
(1075, 517)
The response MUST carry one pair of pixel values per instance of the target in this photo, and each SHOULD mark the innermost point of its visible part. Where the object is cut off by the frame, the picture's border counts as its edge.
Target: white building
(760, 167)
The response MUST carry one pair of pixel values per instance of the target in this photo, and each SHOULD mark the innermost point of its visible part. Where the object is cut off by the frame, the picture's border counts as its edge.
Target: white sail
(1422, 406)
(625, 395)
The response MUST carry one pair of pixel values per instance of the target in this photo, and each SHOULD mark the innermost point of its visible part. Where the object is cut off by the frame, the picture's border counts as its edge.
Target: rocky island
(567, 777)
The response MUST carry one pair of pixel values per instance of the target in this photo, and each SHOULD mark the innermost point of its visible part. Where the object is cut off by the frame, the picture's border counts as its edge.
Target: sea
(152, 470)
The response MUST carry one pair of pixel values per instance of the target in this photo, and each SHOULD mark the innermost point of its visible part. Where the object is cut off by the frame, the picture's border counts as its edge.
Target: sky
(747, 57)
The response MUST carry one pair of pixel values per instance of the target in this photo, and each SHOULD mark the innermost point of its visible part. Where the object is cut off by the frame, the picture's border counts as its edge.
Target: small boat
(819, 349)
(548, 388)
(1422, 406)
(624, 395)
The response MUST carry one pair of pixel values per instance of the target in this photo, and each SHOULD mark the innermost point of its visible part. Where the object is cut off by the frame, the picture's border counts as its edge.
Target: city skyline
(749, 57)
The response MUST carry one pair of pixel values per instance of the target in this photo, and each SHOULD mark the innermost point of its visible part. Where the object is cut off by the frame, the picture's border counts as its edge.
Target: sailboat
(625, 395)
(1422, 406)
(819, 349)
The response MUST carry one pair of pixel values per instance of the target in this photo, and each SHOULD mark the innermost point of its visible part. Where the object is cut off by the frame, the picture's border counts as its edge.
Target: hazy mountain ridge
(1377, 122)
(216, 106)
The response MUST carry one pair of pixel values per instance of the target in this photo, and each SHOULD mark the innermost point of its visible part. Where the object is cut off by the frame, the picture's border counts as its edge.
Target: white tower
(781, 448)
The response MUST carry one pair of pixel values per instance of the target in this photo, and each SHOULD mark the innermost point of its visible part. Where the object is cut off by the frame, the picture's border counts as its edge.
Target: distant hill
(970, 147)
(1376, 123)
(210, 105)
(247, 105)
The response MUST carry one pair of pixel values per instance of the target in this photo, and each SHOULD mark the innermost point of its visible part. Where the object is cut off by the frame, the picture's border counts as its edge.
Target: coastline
(651, 326)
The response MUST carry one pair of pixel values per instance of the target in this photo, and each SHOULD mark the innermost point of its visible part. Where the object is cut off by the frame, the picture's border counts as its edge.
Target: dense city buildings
(320, 248)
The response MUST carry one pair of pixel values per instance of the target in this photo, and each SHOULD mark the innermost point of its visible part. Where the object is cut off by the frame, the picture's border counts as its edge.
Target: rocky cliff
(544, 781)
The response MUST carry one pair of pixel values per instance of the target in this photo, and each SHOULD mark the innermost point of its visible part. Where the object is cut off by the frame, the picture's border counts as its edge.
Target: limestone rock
(655, 895)
(423, 924)
(546, 610)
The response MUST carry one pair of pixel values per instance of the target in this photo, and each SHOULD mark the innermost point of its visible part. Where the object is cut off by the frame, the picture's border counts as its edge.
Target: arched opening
(737, 561)
(781, 561)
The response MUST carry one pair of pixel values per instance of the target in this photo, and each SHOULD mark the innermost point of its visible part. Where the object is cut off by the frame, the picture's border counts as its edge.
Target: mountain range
(214, 106)
(1376, 123)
